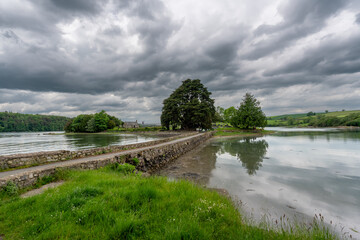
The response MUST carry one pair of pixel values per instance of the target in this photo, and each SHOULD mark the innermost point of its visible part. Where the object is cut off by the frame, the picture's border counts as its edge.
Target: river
(296, 172)
(27, 142)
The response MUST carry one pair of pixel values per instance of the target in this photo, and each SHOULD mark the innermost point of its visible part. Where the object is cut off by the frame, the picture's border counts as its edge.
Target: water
(27, 142)
(296, 172)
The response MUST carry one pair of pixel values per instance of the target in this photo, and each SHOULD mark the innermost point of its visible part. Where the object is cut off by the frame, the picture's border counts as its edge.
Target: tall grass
(108, 204)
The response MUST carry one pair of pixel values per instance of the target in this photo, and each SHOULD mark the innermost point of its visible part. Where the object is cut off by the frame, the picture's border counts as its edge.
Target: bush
(123, 168)
(11, 189)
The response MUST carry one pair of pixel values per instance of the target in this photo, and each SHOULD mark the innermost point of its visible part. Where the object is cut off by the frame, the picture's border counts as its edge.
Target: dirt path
(42, 189)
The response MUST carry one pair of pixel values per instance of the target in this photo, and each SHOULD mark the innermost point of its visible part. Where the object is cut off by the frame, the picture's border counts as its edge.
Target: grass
(302, 120)
(231, 131)
(341, 113)
(140, 129)
(108, 204)
(19, 167)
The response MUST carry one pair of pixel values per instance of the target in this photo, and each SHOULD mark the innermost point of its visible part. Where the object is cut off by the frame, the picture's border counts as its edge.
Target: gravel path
(42, 189)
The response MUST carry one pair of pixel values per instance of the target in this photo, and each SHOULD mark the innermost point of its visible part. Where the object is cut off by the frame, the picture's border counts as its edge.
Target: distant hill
(324, 119)
(18, 122)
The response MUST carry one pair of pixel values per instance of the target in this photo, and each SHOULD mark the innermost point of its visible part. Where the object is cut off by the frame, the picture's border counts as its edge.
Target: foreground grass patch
(106, 204)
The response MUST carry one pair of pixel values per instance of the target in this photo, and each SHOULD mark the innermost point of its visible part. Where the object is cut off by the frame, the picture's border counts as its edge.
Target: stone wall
(150, 160)
(39, 158)
(156, 157)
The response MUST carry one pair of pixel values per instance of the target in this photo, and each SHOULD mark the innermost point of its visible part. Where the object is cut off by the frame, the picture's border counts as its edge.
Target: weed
(11, 189)
(123, 168)
(135, 161)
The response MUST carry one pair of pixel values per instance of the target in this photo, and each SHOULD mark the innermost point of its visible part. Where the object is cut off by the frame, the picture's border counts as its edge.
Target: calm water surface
(297, 172)
(26, 142)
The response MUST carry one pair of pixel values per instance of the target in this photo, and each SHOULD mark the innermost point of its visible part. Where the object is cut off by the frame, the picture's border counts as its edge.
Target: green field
(330, 119)
(109, 204)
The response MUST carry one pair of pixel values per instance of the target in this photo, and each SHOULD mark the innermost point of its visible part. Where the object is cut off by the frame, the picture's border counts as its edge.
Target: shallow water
(27, 142)
(297, 172)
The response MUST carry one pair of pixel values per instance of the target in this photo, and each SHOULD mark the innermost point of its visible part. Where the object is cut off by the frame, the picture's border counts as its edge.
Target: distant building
(131, 124)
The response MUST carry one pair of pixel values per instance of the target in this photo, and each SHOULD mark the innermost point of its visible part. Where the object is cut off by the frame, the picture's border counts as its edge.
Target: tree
(101, 121)
(229, 113)
(188, 107)
(219, 114)
(310, 114)
(249, 114)
(91, 126)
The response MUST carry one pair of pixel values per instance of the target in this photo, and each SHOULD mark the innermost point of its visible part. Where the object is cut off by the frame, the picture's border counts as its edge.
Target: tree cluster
(97, 122)
(188, 107)
(18, 122)
(309, 114)
(248, 116)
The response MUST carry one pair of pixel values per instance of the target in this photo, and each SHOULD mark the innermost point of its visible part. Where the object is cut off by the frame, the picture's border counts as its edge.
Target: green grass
(302, 120)
(19, 167)
(341, 113)
(140, 129)
(106, 204)
(8, 192)
(296, 115)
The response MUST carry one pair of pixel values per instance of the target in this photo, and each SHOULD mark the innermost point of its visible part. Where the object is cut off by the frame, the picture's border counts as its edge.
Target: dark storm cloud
(333, 58)
(83, 6)
(300, 18)
(47, 68)
(84, 56)
(12, 97)
(357, 18)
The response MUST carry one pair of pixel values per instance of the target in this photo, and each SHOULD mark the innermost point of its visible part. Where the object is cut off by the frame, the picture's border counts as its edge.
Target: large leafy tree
(188, 107)
(249, 114)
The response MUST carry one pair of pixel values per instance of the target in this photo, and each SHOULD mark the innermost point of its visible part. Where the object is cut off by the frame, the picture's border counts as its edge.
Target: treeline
(97, 122)
(332, 121)
(18, 122)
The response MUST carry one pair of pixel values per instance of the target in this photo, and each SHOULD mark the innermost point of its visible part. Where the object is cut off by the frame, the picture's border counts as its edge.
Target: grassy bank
(326, 119)
(230, 131)
(107, 204)
(140, 129)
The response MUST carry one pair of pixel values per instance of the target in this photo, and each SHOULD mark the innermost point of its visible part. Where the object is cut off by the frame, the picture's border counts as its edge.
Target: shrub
(123, 168)
(11, 189)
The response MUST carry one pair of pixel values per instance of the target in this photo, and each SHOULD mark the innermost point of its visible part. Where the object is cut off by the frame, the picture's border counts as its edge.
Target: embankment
(40, 158)
(150, 159)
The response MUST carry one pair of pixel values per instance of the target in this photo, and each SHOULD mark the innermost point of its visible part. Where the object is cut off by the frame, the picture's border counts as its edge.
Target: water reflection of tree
(249, 151)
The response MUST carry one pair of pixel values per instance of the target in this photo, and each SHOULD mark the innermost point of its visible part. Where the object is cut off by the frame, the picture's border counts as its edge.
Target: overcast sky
(67, 57)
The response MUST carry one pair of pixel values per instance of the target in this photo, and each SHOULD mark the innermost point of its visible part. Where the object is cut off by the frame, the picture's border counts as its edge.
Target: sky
(69, 57)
